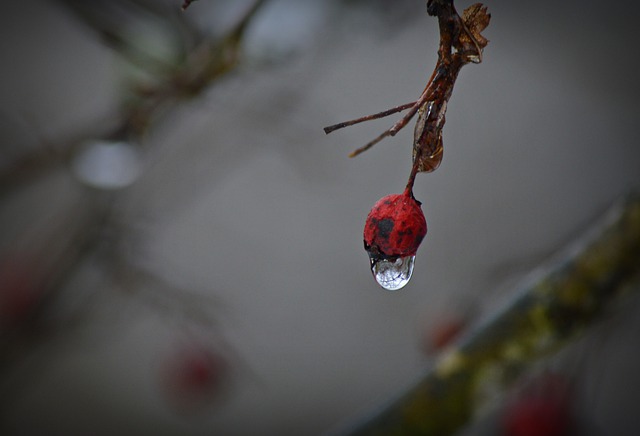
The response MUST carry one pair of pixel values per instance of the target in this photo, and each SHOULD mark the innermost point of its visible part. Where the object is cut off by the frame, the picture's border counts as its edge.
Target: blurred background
(181, 247)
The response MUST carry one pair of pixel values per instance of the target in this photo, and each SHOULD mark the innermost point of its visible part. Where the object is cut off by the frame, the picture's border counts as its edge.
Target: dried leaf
(476, 19)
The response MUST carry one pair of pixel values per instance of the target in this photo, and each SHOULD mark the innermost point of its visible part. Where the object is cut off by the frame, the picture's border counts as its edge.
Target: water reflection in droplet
(392, 274)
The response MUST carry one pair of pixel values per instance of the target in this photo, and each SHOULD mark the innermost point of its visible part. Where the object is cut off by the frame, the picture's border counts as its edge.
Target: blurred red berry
(195, 377)
(543, 409)
(395, 227)
(19, 291)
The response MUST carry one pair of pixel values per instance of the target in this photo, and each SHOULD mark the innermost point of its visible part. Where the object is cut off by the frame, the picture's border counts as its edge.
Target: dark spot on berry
(385, 226)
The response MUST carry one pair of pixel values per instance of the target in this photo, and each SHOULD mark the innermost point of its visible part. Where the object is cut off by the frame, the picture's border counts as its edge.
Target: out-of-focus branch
(560, 302)
(98, 235)
(202, 61)
(33, 274)
(207, 62)
(186, 4)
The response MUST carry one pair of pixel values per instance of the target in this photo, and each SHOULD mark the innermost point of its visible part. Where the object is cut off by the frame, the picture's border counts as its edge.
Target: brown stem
(382, 114)
(460, 43)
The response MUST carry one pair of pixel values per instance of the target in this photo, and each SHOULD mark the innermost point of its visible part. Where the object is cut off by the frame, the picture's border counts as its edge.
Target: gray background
(247, 202)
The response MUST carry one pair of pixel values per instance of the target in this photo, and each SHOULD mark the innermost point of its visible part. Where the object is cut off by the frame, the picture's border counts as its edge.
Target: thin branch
(399, 125)
(205, 64)
(460, 43)
(382, 114)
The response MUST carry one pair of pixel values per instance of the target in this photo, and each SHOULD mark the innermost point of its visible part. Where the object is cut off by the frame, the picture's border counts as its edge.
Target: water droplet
(392, 274)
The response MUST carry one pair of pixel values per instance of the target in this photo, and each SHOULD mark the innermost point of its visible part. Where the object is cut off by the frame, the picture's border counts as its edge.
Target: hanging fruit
(391, 251)
(393, 231)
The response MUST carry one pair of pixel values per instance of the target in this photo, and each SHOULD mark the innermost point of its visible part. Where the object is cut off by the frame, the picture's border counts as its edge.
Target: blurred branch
(558, 305)
(119, 23)
(46, 155)
(202, 60)
(205, 63)
(186, 4)
(33, 275)
(97, 234)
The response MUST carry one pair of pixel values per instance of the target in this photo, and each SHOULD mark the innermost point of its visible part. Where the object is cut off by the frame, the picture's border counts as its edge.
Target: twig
(382, 114)
(205, 64)
(460, 43)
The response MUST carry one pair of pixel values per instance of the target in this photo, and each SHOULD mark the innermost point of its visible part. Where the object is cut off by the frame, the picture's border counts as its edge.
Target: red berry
(537, 416)
(195, 376)
(19, 290)
(395, 227)
(543, 409)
